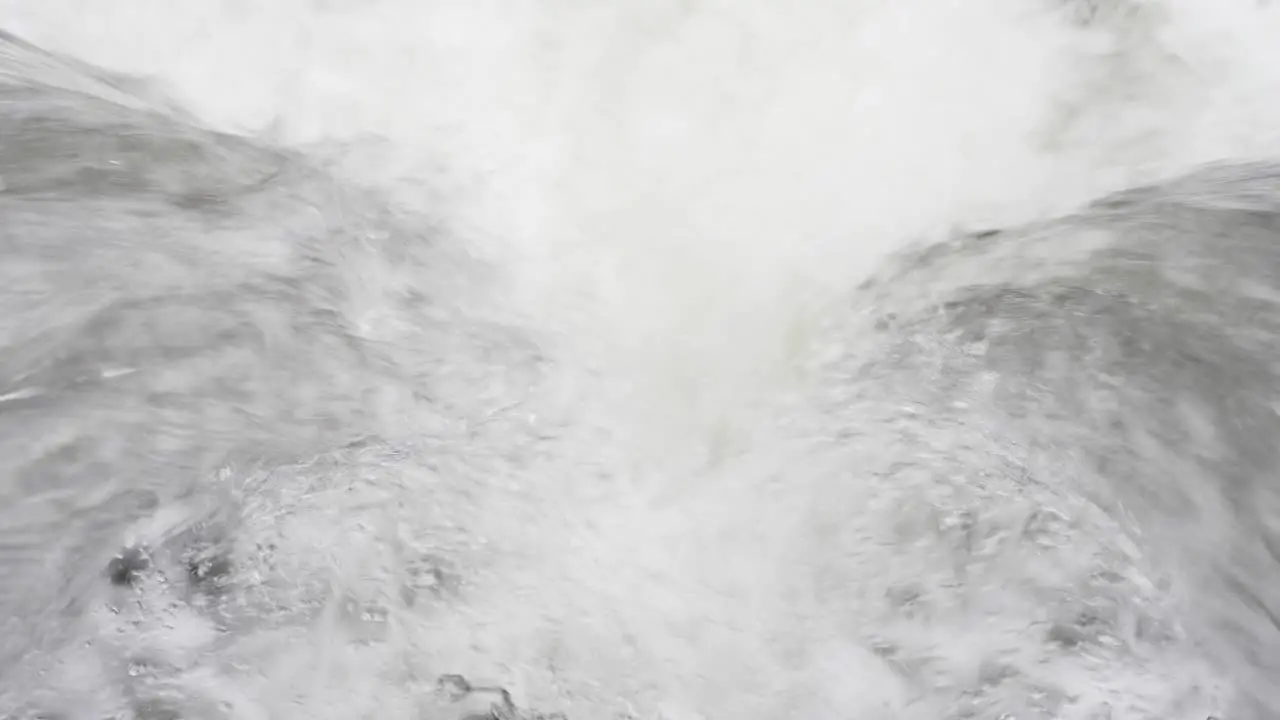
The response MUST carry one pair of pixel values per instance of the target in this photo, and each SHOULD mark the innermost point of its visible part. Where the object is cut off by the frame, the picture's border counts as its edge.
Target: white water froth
(677, 192)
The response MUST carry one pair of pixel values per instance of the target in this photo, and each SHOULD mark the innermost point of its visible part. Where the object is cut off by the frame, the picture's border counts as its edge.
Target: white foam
(677, 188)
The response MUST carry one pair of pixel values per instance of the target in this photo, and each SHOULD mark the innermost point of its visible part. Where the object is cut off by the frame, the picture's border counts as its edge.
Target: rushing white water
(600, 433)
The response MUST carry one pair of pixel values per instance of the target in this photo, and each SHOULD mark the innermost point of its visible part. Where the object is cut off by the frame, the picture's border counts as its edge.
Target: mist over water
(648, 359)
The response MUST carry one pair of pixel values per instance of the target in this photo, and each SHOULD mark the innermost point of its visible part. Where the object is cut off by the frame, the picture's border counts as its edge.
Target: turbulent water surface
(643, 360)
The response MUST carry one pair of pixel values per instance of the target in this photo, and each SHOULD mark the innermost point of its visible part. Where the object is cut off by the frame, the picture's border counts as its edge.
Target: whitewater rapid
(657, 360)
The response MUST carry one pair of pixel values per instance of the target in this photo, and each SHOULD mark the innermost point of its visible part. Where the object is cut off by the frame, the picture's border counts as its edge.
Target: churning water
(861, 359)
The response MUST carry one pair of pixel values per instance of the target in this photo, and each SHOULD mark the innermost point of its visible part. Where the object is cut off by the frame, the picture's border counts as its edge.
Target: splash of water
(538, 352)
